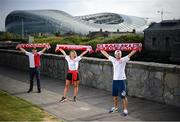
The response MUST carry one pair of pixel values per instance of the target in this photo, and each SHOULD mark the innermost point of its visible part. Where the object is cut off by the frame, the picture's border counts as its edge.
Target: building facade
(162, 40)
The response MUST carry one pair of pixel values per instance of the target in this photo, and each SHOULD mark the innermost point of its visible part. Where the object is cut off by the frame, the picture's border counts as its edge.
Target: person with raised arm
(72, 75)
(119, 79)
(34, 66)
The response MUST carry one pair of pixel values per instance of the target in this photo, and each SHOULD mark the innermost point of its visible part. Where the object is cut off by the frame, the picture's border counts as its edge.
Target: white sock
(125, 111)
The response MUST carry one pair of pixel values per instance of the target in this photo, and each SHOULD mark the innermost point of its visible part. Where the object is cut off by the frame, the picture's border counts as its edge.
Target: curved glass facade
(52, 21)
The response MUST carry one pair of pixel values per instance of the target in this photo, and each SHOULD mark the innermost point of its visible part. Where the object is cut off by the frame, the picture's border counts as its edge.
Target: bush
(7, 36)
(78, 40)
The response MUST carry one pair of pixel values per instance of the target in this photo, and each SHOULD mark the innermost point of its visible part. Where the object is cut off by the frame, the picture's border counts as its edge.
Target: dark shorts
(119, 88)
(69, 77)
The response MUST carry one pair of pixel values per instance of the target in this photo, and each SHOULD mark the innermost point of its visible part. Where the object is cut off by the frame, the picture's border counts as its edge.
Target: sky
(142, 8)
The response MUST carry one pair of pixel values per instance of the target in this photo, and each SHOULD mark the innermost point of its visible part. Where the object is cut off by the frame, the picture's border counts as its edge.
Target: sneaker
(125, 112)
(113, 110)
(29, 91)
(63, 99)
(39, 91)
(75, 99)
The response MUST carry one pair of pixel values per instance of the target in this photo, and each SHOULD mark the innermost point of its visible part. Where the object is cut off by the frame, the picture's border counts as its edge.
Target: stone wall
(153, 81)
(51, 65)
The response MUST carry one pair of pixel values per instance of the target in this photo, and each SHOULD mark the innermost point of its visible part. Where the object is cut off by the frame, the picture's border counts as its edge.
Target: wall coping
(172, 67)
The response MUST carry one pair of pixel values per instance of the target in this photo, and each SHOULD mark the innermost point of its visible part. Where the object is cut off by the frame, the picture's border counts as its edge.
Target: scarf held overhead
(43, 45)
(74, 47)
(121, 46)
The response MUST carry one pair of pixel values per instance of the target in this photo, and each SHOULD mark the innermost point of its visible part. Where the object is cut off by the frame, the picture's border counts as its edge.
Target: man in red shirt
(34, 67)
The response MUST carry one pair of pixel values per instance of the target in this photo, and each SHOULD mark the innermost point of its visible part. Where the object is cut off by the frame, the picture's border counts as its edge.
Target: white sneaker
(113, 110)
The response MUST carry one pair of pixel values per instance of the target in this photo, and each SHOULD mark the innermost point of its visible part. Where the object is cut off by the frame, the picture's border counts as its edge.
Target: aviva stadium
(53, 21)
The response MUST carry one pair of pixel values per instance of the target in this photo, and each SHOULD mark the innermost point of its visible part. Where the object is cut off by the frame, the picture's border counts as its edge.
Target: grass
(15, 109)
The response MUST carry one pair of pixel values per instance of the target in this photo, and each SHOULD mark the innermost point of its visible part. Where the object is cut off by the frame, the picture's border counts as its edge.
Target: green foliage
(7, 36)
(76, 40)
(79, 40)
(46, 39)
(130, 38)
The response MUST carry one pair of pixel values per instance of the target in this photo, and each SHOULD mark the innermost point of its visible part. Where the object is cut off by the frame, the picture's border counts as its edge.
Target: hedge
(78, 40)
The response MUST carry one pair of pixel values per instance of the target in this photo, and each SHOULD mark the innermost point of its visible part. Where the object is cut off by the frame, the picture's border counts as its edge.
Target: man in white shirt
(34, 66)
(119, 79)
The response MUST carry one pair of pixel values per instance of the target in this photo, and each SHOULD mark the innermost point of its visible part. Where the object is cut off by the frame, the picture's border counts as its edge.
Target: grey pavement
(92, 105)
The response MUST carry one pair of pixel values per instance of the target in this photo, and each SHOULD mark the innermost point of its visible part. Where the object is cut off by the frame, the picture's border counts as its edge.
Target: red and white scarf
(37, 62)
(74, 47)
(121, 46)
(43, 45)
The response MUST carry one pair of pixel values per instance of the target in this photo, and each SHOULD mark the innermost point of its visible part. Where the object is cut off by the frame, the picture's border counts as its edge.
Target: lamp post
(22, 28)
(161, 12)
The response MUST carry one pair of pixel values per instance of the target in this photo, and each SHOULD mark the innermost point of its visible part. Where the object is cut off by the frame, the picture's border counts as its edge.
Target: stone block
(172, 80)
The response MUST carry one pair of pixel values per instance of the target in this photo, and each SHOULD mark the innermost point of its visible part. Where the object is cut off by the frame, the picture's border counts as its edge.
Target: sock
(125, 111)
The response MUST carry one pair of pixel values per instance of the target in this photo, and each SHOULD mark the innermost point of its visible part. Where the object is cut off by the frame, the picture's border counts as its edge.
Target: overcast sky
(141, 8)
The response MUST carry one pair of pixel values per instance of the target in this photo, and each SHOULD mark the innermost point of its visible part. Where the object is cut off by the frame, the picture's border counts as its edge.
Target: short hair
(117, 51)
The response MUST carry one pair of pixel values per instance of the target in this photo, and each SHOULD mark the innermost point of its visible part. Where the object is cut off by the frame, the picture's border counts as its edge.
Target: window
(154, 42)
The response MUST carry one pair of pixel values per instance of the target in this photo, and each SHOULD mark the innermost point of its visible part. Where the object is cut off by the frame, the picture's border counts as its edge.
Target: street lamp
(22, 29)
(161, 12)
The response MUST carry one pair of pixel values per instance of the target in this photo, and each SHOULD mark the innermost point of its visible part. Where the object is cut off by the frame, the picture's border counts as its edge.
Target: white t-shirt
(32, 58)
(73, 64)
(119, 67)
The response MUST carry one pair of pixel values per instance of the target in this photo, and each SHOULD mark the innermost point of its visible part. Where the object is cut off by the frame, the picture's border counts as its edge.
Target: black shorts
(69, 77)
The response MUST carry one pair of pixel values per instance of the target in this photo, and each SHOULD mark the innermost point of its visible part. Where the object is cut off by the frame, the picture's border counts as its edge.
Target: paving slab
(92, 105)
